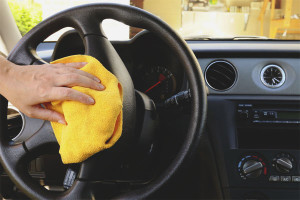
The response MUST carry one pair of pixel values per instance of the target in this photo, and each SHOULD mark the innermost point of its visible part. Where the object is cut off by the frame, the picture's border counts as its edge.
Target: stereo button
(265, 114)
(256, 114)
(296, 179)
(272, 115)
(285, 178)
(243, 114)
(274, 178)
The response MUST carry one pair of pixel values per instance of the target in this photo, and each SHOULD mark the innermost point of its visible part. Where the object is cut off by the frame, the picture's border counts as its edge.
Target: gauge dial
(157, 82)
(272, 76)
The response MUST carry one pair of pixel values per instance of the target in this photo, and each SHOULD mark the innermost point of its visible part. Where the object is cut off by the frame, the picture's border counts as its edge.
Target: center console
(257, 146)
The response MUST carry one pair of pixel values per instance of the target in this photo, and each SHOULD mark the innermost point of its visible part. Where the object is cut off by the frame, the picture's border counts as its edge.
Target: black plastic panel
(223, 128)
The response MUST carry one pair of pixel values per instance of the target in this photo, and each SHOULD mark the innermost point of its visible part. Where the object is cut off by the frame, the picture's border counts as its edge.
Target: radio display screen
(288, 115)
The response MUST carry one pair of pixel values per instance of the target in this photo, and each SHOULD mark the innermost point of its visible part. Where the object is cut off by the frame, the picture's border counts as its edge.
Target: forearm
(5, 71)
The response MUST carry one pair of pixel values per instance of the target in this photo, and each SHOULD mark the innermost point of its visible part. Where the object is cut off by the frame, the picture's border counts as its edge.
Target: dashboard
(253, 120)
(254, 115)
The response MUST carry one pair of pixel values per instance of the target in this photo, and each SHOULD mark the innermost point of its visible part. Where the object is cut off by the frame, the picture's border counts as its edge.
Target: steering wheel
(86, 19)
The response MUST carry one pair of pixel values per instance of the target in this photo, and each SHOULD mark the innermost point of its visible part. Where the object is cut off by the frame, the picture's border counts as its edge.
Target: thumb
(39, 112)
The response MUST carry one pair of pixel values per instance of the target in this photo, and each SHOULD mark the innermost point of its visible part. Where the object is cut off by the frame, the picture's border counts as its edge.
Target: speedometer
(157, 82)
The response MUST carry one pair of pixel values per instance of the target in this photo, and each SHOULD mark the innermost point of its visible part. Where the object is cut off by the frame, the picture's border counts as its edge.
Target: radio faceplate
(265, 114)
(267, 125)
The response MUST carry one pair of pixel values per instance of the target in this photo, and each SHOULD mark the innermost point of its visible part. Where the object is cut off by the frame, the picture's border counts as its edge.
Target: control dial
(283, 163)
(251, 166)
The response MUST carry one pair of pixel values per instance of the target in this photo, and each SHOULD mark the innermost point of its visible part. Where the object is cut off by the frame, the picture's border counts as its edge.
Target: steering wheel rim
(85, 19)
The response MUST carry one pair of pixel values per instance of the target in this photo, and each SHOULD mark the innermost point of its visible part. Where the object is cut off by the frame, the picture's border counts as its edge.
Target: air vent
(272, 76)
(220, 75)
(14, 122)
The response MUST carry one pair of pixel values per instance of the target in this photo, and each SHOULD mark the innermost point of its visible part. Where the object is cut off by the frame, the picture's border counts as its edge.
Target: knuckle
(68, 69)
(67, 93)
(63, 69)
(29, 113)
(40, 76)
(42, 91)
(73, 77)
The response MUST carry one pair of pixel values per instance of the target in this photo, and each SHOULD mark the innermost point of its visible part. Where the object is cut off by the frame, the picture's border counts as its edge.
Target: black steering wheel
(86, 19)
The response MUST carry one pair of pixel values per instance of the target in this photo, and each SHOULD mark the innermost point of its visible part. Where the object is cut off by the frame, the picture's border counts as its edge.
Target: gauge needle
(161, 79)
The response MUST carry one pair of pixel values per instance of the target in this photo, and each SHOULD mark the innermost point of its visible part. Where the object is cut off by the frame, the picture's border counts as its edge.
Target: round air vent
(14, 122)
(220, 75)
(272, 76)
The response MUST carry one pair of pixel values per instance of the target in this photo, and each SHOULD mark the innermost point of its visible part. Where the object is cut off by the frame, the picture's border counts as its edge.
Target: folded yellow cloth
(91, 128)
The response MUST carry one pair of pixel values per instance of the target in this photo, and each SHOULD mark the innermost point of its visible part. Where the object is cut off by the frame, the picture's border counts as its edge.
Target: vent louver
(220, 75)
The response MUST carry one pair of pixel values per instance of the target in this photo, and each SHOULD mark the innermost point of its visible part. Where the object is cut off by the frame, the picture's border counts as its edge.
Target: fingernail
(96, 79)
(62, 122)
(101, 87)
(84, 63)
(91, 100)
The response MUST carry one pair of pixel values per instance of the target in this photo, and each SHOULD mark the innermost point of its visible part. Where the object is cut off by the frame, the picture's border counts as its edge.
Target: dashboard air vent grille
(220, 75)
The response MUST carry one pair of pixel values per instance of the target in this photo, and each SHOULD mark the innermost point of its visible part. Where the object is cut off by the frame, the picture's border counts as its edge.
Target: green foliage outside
(26, 16)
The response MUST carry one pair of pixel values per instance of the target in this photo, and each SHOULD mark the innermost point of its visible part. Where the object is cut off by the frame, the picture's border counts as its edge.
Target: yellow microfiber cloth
(91, 128)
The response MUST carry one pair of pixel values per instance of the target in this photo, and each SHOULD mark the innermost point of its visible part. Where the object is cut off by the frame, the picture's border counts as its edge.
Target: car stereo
(269, 114)
(268, 125)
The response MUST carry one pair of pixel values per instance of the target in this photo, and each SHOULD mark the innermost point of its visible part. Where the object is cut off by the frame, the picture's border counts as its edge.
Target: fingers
(83, 73)
(74, 68)
(46, 114)
(76, 65)
(64, 93)
(71, 80)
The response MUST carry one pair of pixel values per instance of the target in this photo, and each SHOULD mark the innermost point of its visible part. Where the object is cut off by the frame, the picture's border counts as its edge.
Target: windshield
(193, 19)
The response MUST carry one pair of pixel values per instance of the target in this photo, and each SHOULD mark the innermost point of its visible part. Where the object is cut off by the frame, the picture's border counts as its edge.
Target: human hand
(27, 87)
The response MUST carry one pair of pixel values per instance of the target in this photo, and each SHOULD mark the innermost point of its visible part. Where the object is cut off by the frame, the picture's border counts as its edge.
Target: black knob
(283, 164)
(252, 168)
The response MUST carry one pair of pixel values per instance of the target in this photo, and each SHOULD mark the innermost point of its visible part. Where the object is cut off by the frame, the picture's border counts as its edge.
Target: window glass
(276, 19)
(193, 19)
(37, 10)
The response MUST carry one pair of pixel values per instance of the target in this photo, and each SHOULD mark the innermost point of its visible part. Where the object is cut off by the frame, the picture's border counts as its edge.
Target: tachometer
(157, 82)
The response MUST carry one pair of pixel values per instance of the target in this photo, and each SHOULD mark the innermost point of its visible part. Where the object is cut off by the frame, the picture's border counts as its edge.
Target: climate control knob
(251, 167)
(283, 163)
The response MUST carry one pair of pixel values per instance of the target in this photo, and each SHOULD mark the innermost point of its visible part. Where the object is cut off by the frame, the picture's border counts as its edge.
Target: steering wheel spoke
(17, 154)
(43, 141)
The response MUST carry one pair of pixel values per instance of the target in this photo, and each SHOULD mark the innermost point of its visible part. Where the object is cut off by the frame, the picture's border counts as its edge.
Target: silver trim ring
(221, 61)
(11, 107)
(277, 67)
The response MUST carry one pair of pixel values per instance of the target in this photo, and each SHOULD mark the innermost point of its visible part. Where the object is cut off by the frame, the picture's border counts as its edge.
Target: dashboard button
(256, 114)
(265, 114)
(243, 114)
(272, 115)
(274, 178)
(296, 179)
(285, 178)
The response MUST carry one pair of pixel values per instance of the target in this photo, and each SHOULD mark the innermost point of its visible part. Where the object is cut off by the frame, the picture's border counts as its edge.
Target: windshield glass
(193, 19)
